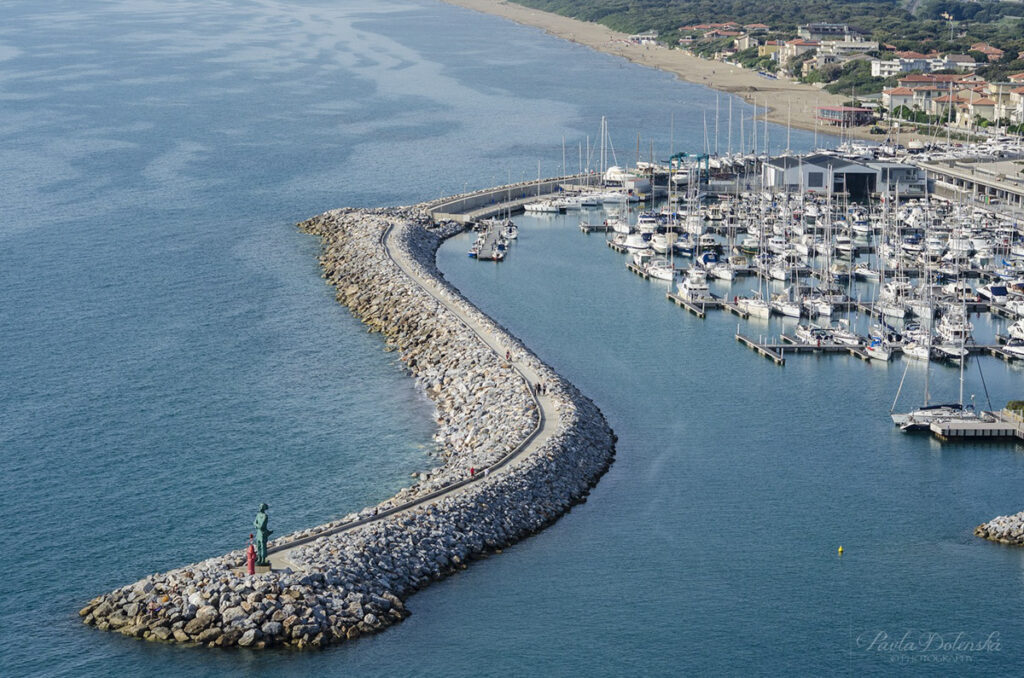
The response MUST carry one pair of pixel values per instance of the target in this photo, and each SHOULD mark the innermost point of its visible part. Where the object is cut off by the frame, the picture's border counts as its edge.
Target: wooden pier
(796, 346)
(698, 308)
(773, 353)
(735, 310)
(639, 271)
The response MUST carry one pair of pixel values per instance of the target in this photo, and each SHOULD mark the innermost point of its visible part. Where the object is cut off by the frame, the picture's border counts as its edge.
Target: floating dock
(772, 352)
(595, 228)
(490, 241)
(698, 307)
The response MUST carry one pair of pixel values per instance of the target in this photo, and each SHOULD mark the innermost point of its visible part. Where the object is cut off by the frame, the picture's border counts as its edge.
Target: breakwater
(1003, 529)
(541, 455)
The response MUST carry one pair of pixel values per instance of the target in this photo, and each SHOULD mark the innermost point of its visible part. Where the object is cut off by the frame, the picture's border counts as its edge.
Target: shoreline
(799, 99)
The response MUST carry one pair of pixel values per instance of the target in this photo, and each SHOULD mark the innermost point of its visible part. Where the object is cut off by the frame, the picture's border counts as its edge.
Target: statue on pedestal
(262, 533)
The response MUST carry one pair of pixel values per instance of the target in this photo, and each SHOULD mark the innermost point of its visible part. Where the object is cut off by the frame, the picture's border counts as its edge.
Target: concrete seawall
(499, 199)
(342, 579)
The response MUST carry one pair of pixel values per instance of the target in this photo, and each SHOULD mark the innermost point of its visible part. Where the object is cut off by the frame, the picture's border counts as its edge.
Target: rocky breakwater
(352, 576)
(1003, 529)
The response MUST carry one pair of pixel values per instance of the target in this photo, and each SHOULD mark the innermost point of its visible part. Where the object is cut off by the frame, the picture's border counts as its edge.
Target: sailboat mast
(766, 128)
(729, 135)
(716, 124)
(743, 141)
(753, 128)
(789, 124)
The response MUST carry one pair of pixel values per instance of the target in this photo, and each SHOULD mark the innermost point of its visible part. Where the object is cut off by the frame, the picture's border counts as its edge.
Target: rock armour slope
(352, 576)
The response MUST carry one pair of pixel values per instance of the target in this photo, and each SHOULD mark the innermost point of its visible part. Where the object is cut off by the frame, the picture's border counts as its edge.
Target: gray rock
(231, 614)
(248, 638)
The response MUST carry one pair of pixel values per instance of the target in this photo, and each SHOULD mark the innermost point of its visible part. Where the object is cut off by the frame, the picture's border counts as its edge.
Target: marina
(881, 278)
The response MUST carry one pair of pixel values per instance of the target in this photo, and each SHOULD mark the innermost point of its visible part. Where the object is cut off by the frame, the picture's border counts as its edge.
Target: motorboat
(993, 292)
(1014, 347)
(694, 287)
(954, 353)
(635, 241)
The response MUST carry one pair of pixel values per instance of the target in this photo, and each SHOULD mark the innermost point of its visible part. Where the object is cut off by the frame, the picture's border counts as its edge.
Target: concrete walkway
(280, 558)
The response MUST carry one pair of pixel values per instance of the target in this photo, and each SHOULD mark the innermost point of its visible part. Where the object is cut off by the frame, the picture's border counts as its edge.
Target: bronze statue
(262, 533)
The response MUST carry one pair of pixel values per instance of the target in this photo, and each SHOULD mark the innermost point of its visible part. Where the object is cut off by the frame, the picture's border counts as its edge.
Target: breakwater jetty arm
(342, 579)
(1003, 529)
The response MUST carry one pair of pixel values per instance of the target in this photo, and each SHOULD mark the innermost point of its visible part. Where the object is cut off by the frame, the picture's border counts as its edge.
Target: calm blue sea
(169, 358)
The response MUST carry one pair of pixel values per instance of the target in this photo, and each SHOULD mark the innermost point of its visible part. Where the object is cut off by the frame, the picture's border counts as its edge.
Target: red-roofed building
(991, 53)
(769, 47)
(897, 96)
(916, 79)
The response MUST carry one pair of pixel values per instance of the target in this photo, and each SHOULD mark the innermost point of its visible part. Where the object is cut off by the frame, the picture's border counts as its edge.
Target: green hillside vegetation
(1000, 24)
(884, 19)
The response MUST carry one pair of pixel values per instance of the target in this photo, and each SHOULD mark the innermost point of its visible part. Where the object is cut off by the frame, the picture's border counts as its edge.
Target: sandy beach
(788, 101)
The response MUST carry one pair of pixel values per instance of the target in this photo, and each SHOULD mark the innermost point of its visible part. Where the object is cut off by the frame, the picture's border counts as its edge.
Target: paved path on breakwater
(280, 557)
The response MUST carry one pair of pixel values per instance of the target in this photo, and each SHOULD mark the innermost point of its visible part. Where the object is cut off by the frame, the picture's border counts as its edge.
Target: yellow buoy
(840, 550)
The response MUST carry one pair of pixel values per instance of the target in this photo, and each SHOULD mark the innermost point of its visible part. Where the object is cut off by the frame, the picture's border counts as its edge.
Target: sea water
(171, 358)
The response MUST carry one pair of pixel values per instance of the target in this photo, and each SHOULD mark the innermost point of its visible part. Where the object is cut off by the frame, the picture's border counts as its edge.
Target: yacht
(865, 272)
(660, 268)
(844, 335)
(694, 286)
(783, 305)
(635, 241)
(993, 292)
(541, 207)
(921, 419)
(917, 350)
(954, 327)
(954, 353)
(659, 243)
(755, 306)
(1015, 347)
(879, 349)
(812, 334)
